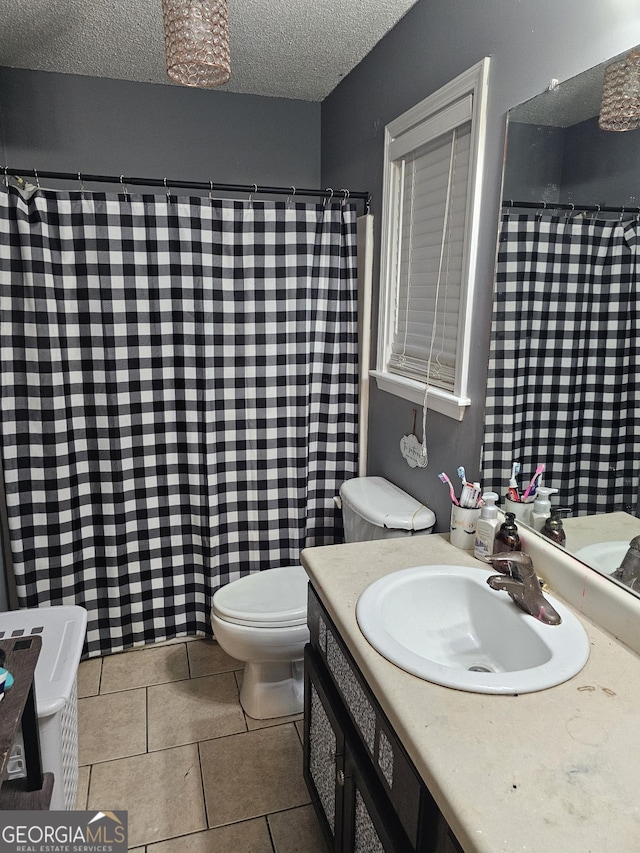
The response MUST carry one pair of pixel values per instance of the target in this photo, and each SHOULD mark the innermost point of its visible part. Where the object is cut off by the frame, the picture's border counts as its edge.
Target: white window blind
(432, 201)
(430, 223)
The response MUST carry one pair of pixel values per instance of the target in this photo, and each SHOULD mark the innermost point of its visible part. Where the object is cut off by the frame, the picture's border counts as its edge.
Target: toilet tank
(373, 508)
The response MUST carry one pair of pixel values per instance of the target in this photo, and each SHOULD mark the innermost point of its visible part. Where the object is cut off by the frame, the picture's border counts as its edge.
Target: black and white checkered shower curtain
(564, 370)
(179, 398)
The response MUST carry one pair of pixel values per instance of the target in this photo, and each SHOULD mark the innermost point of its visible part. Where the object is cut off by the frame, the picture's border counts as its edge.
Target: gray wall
(533, 165)
(577, 165)
(68, 123)
(601, 167)
(530, 42)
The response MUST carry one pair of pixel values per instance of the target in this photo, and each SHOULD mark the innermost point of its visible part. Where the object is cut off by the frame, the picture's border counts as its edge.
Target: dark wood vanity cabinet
(365, 790)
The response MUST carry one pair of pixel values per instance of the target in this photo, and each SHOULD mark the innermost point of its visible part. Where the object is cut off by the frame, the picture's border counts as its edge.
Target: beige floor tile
(252, 724)
(142, 667)
(300, 729)
(83, 788)
(297, 831)
(112, 726)
(189, 711)
(89, 673)
(161, 791)
(252, 774)
(206, 657)
(137, 849)
(250, 836)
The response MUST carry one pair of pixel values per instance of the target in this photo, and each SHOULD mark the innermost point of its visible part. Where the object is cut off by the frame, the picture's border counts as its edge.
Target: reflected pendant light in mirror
(196, 37)
(620, 108)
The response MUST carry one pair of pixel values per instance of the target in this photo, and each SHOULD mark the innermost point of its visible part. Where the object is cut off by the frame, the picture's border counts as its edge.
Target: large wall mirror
(564, 378)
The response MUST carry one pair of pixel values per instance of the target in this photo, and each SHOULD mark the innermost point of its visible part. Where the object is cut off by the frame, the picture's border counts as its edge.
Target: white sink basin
(444, 624)
(604, 556)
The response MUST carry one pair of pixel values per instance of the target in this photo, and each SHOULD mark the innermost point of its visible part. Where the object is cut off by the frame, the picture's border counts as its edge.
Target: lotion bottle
(553, 528)
(541, 508)
(486, 528)
(507, 538)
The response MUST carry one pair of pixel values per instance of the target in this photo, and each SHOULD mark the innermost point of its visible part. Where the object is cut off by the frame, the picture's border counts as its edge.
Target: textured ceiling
(282, 48)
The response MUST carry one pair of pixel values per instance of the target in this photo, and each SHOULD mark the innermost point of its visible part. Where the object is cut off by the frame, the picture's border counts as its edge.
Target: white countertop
(557, 770)
(608, 527)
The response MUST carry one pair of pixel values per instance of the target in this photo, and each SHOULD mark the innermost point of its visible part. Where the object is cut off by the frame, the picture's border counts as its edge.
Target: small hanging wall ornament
(411, 448)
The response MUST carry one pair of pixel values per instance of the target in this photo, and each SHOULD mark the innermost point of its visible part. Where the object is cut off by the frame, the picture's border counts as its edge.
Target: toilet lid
(274, 598)
(382, 503)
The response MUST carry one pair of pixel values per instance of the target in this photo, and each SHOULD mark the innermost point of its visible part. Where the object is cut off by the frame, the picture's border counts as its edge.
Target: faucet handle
(515, 563)
(523, 585)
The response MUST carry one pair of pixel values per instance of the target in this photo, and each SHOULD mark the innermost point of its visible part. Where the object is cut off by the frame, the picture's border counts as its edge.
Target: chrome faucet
(629, 571)
(520, 581)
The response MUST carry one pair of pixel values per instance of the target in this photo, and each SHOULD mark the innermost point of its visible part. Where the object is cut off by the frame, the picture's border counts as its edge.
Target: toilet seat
(274, 598)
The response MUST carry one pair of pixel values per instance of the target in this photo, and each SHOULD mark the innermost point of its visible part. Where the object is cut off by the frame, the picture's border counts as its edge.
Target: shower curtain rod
(328, 193)
(578, 208)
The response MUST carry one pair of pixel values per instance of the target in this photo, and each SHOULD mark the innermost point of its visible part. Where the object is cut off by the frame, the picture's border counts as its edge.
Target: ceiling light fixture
(620, 108)
(196, 38)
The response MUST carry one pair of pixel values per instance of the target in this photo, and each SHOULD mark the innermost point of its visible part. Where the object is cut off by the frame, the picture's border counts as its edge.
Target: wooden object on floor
(18, 707)
(15, 796)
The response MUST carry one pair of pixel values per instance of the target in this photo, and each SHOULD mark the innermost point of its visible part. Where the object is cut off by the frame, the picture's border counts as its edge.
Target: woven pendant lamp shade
(620, 108)
(196, 37)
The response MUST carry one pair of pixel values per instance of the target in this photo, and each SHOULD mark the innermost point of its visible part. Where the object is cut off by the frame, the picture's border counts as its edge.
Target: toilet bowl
(261, 619)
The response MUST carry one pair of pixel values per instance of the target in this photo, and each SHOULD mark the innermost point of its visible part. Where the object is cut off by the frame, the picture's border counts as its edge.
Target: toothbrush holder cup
(521, 510)
(463, 526)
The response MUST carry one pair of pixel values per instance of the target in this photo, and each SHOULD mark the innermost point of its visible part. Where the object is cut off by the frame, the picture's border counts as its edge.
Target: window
(432, 174)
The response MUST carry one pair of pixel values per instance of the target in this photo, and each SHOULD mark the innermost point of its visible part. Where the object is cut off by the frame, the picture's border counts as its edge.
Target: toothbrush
(532, 487)
(444, 479)
(513, 483)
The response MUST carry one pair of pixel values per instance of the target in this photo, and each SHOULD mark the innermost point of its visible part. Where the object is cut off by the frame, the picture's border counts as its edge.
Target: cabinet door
(323, 755)
(365, 830)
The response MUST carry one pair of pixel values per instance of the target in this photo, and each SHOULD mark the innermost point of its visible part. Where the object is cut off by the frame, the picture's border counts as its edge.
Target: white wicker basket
(62, 630)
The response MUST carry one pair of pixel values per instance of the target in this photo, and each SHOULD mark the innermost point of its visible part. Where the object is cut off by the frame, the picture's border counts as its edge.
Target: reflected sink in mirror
(445, 625)
(604, 556)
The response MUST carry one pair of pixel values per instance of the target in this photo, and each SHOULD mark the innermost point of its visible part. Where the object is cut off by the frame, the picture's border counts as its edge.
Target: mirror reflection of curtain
(564, 371)
(178, 399)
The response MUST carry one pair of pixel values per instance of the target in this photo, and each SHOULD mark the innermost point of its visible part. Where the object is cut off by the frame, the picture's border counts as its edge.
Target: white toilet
(261, 619)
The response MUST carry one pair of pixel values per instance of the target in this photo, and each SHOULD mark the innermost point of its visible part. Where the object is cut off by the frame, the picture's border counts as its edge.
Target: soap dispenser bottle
(507, 538)
(541, 508)
(486, 528)
(553, 528)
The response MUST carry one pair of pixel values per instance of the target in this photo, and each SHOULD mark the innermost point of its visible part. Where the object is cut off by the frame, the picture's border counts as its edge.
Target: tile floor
(162, 735)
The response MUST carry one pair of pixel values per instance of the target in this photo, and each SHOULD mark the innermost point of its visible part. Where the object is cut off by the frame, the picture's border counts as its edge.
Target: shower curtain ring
(124, 186)
(251, 194)
(6, 177)
(290, 197)
(327, 190)
(346, 196)
(35, 175)
(622, 212)
(81, 182)
(167, 190)
(210, 190)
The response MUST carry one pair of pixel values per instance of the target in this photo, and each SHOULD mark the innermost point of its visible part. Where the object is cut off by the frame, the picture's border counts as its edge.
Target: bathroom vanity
(396, 763)
(368, 795)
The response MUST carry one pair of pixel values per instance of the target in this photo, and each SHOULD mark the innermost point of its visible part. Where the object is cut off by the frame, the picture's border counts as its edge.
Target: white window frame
(407, 133)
